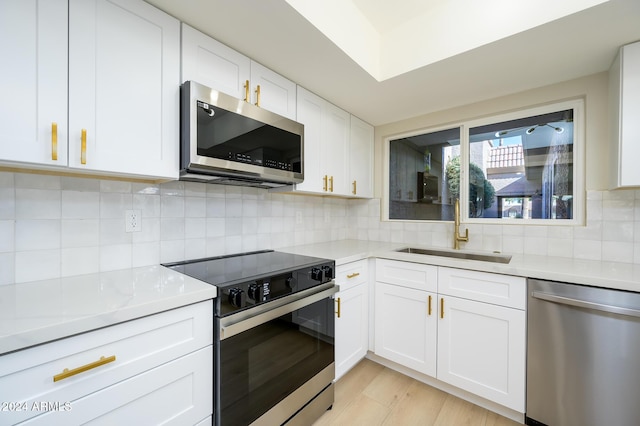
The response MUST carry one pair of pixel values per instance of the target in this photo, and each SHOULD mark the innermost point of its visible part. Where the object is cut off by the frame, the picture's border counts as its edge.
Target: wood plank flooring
(371, 394)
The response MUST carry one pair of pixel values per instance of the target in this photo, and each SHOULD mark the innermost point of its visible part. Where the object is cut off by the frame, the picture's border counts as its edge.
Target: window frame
(579, 172)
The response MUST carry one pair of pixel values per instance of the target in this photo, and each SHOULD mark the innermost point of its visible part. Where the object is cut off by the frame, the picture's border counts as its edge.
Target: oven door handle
(231, 326)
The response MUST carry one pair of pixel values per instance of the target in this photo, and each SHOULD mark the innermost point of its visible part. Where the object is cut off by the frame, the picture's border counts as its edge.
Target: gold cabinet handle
(355, 188)
(258, 95)
(83, 147)
(66, 373)
(429, 305)
(246, 91)
(338, 311)
(355, 274)
(441, 307)
(54, 141)
(331, 184)
(324, 183)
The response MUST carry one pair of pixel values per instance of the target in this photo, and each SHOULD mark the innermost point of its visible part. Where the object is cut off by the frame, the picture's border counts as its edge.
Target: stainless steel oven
(276, 360)
(274, 336)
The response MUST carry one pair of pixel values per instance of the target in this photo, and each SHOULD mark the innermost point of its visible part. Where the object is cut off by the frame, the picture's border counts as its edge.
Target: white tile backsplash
(60, 226)
(37, 234)
(37, 203)
(36, 265)
(80, 205)
(7, 203)
(7, 237)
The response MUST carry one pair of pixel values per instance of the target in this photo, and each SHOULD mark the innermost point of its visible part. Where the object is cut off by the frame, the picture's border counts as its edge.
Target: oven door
(274, 359)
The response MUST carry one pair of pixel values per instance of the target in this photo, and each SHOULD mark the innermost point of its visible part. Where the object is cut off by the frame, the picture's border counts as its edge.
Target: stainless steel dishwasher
(583, 355)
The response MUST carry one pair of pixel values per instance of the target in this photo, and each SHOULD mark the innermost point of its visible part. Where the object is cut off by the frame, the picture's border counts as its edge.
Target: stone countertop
(42, 311)
(614, 275)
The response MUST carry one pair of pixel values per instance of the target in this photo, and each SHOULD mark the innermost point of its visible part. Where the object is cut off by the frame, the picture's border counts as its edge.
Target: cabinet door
(179, 392)
(310, 109)
(335, 145)
(352, 331)
(481, 349)
(209, 62)
(629, 113)
(124, 71)
(33, 81)
(361, 159)
(277, 94)
(406, 327)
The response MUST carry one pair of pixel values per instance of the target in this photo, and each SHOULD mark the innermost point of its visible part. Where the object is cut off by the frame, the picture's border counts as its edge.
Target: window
(417, 175)
(517, 167)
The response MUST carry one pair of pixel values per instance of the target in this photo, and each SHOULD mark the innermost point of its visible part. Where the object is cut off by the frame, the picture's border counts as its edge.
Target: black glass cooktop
(225, 271)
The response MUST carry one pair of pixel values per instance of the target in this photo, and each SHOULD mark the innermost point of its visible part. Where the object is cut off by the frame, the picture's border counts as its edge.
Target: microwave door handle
(229, 327)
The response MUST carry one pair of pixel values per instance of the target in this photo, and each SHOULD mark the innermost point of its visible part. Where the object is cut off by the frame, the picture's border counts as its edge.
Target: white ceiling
(411, 57)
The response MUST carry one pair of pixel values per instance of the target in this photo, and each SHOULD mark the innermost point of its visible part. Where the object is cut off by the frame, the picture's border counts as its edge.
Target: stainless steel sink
(496, 258)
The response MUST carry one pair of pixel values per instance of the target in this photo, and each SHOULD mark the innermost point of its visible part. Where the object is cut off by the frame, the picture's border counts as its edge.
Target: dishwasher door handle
(586, 304)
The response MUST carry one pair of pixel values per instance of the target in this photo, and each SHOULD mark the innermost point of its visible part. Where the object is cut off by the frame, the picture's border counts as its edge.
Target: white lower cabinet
(171, 394)
(156, 369)
(481, 349)
(475, 345)
(352, 315)
(406, 327)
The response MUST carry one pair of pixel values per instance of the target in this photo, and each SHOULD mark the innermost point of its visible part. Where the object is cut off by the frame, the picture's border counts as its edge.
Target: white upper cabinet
(215, 65)
(333, 141)
(310, 112)
(124, 79)
(624, 96)
(335, 147)
(33, 81)
(272, 91)
(211, 63)
(121, 59)
(361, 158)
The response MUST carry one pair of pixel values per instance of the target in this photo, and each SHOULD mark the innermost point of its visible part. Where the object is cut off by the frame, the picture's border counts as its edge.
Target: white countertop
(615, 275)
(42, 311)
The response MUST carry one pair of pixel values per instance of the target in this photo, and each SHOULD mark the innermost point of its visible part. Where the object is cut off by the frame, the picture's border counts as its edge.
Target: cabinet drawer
(503, 290)
(138, 345)
(352, 274)
(407, 274)
(177, 393)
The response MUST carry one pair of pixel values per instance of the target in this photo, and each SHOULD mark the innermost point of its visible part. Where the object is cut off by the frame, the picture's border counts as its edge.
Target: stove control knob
(316, 274)
(254, 292)
(328, 272)
(236, 297)
(291, 282)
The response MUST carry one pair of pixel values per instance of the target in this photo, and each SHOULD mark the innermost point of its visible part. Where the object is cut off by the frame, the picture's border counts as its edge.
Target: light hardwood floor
(371, 394)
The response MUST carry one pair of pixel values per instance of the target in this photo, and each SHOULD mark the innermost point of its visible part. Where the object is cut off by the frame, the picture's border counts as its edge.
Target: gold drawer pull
(331, 184)
(338, 311)
(324, 183)
(246, 91)
(441, 307)
(66, 373)
(429, 305)
(83, 147)
(54, 141)
(355, 274)
(258, 96)
(355, 188)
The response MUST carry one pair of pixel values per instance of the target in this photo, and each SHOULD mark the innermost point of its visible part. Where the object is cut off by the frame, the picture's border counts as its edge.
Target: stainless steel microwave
(228, 141)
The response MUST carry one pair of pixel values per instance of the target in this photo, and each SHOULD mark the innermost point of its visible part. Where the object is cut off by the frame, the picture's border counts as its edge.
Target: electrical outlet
(133, 221)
